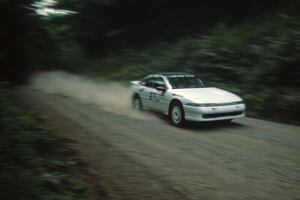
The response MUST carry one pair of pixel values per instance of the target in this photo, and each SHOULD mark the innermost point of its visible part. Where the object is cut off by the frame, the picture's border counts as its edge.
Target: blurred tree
(25, 45)
(14, 16)
(31, 41)
(102, 25)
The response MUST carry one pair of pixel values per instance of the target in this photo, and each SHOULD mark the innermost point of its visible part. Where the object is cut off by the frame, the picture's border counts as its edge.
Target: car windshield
(185, 81)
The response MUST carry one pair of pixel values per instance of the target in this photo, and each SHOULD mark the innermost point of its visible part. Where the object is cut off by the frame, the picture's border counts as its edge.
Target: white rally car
(183, 96)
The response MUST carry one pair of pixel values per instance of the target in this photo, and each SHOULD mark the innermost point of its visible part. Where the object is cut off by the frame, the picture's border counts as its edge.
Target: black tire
(227, 121)
(176, 114)
(137, 103)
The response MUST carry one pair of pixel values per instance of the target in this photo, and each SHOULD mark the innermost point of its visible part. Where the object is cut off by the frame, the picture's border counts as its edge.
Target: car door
(151, 92)
(145, 90)
(157, 98)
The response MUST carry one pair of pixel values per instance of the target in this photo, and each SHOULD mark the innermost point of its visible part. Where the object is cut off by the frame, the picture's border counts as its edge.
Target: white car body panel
(207, 95)
(225, 105)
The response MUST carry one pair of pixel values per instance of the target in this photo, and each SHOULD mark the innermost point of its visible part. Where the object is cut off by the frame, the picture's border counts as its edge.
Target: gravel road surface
(143, 157)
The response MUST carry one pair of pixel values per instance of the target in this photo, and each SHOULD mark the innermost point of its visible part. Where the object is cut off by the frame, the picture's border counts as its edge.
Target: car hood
(207, 95)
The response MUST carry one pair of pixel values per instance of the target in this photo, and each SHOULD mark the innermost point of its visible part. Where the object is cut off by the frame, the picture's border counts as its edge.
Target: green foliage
(258, 59)
(33, 162)
(249, 47)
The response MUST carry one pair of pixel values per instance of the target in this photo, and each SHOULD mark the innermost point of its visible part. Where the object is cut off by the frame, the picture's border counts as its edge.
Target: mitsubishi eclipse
(183, 96)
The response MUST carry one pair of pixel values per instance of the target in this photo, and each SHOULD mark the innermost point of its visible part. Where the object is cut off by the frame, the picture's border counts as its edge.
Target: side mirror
(161, 88)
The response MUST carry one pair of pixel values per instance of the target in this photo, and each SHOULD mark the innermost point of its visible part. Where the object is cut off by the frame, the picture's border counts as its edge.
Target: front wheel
(176, 115)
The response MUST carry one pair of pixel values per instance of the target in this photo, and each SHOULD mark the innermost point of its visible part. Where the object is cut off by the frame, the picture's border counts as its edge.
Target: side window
(158, 82)
(146, 82)
(153, 82)
(149, 82)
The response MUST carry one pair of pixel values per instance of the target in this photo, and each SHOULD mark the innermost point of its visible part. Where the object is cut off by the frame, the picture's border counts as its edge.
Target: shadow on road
(199, 125)
(212, 125)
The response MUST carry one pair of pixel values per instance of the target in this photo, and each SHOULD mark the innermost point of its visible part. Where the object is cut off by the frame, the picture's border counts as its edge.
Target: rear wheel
(176, 114)
(137, 103)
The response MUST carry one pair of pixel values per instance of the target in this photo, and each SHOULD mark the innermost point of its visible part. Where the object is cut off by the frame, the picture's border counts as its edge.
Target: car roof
(172, 73)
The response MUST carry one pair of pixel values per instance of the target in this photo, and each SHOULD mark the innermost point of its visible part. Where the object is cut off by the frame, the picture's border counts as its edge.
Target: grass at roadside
(257, 59)
(34, 164)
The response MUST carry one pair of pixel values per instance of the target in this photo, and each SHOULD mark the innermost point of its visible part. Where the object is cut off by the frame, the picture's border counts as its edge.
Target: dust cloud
(111, 96)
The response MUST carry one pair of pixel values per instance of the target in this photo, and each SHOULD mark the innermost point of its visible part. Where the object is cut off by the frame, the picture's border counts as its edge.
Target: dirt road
(141, 158)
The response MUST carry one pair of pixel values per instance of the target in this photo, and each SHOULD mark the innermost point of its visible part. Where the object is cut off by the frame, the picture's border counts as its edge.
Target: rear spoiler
(135, 82)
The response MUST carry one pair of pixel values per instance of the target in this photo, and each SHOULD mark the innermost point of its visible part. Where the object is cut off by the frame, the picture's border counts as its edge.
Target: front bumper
(193, 113)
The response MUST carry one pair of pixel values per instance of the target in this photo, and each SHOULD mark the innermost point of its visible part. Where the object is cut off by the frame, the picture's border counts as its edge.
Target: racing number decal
(154, 97)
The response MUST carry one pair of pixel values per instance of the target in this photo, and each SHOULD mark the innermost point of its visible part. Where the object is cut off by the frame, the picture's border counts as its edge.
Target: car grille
(215, 115)
(227, 104)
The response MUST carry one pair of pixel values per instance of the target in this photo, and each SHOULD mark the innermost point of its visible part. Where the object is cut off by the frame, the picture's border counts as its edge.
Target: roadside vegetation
(258, 59)
(249, 47)
(34, 163)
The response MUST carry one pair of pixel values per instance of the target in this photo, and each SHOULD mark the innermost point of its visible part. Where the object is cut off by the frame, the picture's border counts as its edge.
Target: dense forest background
(249, 47)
